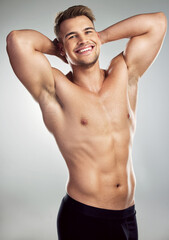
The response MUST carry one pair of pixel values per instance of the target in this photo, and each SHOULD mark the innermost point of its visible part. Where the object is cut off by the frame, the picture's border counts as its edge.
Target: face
(81, 43)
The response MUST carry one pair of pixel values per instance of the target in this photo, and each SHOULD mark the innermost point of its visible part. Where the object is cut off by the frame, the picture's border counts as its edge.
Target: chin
(88, 63)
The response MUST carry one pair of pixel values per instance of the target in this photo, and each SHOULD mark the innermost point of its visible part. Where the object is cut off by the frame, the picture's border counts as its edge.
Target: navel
(84, 121)
(118, 185)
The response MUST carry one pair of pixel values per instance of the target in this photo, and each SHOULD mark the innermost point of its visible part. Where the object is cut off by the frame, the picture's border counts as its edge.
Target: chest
(110, 112)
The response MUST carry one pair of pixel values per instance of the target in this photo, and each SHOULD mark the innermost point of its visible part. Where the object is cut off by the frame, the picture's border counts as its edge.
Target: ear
(98, 35)
(62, 51)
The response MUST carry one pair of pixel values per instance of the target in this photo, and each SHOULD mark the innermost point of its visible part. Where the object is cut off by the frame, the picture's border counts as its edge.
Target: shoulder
(65, 88)
(118, 62)
(118, 68)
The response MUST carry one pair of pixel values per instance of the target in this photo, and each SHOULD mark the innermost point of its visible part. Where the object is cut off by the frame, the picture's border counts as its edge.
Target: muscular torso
(94, 133)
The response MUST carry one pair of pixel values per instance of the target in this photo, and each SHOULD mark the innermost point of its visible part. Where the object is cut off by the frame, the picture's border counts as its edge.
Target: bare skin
(90, 111)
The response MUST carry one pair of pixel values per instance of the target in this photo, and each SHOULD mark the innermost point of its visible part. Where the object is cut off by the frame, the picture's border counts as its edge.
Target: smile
(83, 50)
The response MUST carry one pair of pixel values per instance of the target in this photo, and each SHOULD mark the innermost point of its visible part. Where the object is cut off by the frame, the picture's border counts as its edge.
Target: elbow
(161, 22)
(10, 40)
(11, 36)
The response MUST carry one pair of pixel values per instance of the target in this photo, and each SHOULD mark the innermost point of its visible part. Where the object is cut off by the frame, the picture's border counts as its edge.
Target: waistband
(91, 211)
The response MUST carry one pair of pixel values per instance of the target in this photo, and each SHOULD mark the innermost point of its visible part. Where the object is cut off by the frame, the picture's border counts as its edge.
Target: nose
(82, 39)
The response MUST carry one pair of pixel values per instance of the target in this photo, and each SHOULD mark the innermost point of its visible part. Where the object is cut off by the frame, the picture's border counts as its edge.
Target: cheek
(70, 45)
(67, 48)
(98, 40)
(98, 43)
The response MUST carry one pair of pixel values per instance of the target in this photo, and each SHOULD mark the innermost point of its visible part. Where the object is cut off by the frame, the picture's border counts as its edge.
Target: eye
(72, 36)
(88, 32)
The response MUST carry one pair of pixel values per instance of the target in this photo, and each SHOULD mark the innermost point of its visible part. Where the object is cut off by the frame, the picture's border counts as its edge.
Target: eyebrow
(71, 33)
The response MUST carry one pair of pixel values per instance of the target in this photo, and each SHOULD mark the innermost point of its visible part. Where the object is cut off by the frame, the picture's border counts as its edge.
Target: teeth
(84, 50)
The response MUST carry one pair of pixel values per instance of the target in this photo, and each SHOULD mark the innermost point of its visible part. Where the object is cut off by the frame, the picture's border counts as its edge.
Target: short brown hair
(71, 12)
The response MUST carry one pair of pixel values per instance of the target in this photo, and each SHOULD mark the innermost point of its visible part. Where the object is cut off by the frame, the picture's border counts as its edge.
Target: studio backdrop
(33, 174)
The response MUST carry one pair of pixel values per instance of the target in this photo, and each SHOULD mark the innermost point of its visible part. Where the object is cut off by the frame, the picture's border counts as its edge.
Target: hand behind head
(59, 50)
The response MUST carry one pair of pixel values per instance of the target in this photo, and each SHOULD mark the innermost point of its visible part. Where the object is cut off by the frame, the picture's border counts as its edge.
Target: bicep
(31, 67)
(141, 51)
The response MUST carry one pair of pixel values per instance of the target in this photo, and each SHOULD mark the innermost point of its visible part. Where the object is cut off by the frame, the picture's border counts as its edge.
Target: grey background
(33, 174)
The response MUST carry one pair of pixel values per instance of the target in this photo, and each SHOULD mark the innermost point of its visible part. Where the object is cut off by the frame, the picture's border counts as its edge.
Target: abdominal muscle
(102, 178)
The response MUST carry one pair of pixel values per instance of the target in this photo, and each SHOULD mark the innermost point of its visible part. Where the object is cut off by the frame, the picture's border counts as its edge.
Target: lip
(85, 49)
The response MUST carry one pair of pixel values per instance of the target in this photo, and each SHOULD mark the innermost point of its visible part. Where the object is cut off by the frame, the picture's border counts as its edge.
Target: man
(91, 113)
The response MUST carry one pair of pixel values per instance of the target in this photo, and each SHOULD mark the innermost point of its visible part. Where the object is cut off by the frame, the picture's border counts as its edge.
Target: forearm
(132, 27)
(31, 39)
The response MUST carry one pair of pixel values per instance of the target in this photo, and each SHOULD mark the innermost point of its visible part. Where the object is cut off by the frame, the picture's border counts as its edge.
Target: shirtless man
(91, 113)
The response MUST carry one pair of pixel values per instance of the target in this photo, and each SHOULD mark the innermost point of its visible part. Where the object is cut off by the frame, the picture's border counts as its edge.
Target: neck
(90, 78)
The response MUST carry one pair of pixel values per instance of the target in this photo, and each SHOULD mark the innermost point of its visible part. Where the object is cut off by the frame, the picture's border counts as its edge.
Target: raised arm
(146, 33)
(26, 49)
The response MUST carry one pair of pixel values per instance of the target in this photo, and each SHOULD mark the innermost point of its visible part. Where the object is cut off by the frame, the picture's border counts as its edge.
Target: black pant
(77, 221)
